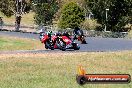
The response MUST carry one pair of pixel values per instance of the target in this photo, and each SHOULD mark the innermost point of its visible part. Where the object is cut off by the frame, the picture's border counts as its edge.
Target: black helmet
(58, 34)
(77, 28)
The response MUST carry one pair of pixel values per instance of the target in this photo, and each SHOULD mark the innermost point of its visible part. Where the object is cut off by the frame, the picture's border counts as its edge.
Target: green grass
(58, 70)
(14, 43)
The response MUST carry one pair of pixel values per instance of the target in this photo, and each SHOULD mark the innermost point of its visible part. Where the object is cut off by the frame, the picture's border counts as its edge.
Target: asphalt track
(94, 44)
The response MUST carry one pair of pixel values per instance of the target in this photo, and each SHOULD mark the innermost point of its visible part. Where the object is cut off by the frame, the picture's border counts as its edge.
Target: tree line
(114, 14)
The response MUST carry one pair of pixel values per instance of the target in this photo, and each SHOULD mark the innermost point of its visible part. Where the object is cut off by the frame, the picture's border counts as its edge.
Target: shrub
(90, 24)
(71, 16)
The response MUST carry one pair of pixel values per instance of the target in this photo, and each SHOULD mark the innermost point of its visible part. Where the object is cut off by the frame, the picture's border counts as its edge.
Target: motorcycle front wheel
(62, 45)
(46, 46)
(75, 46)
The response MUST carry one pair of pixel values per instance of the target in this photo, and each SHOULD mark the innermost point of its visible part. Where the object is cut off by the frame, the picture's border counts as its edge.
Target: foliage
(118, 14)
(61, 3)
(71, 16)
(44, 12)
(90, 24)
(8, 7)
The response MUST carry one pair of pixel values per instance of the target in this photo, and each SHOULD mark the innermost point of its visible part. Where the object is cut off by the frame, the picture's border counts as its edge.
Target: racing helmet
(49, 33)
(58, 34)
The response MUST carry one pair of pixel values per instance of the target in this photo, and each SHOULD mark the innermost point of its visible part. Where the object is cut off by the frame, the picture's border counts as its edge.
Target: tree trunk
(17, 23)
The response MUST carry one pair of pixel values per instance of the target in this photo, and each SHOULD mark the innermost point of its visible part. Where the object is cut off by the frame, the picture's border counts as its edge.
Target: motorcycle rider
(42, 32)
(49, 33)
(66, 34)
(58, 34)
(77, 32)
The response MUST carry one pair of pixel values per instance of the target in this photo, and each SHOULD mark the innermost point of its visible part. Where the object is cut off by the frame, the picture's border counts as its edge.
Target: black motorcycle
(80, 37)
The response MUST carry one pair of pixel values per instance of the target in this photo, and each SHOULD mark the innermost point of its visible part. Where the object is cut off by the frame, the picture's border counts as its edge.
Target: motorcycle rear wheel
(83, 41)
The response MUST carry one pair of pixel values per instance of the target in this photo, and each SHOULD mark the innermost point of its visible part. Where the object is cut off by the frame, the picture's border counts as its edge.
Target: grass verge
(58, 70)
(14, 43)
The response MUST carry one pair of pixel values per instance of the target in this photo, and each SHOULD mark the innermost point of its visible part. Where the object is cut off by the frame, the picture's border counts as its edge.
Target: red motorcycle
(48, 40)
(58, 42)
(63, 43)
